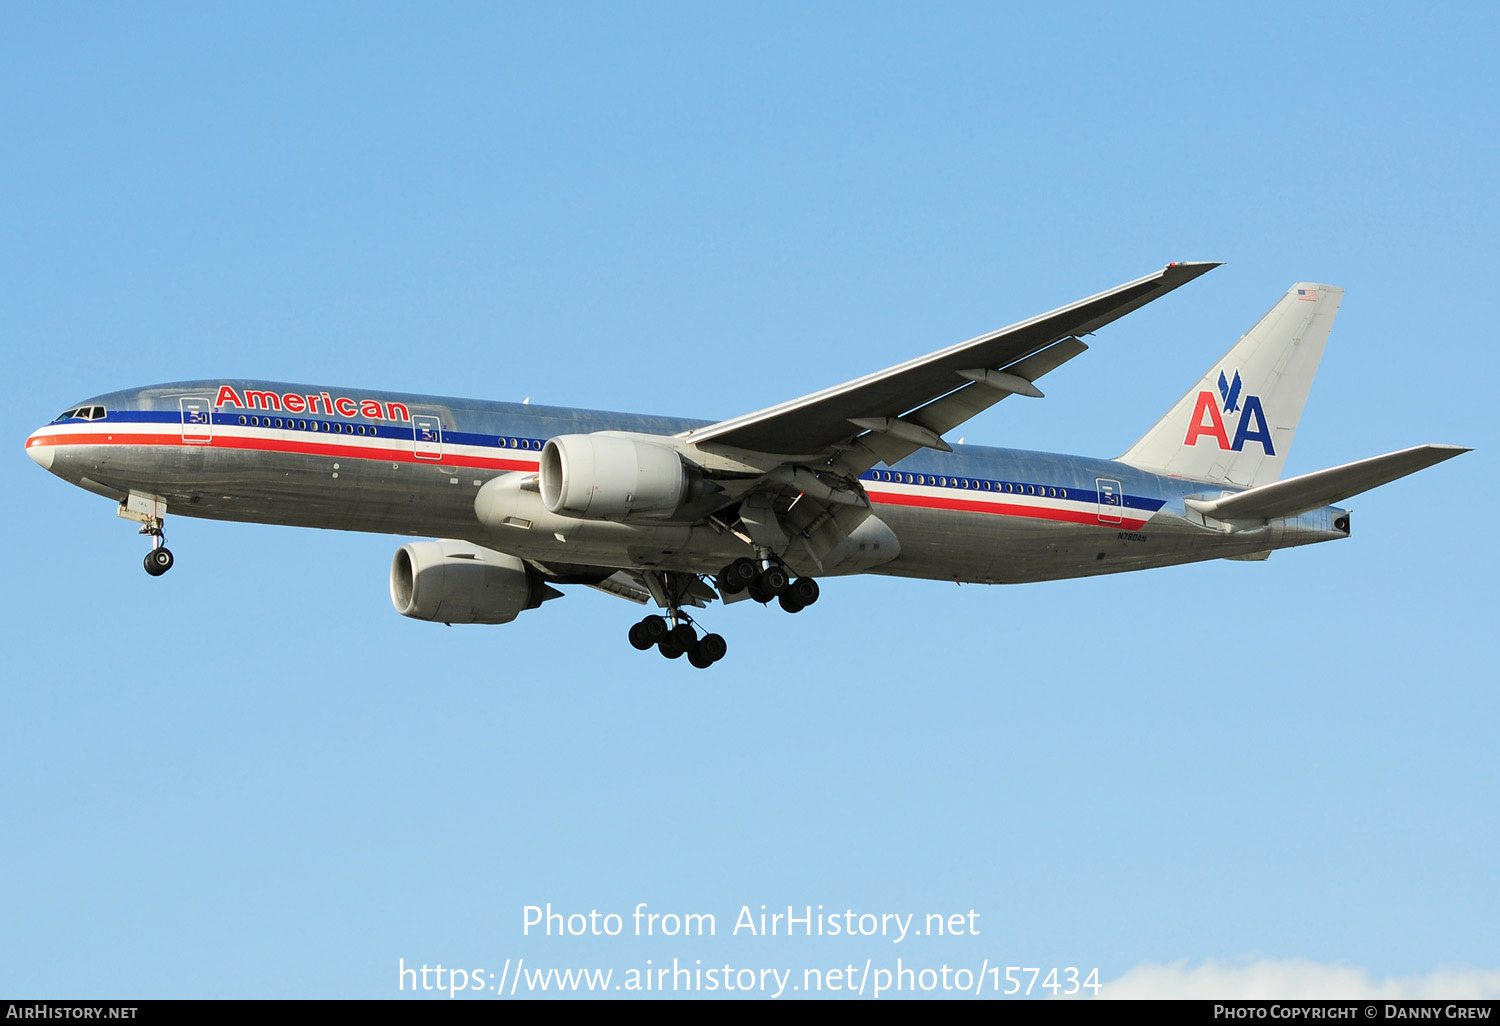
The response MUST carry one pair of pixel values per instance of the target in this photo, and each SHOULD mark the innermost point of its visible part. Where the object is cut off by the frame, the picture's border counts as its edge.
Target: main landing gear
(675, 636)
(764, 584)
(678, 639)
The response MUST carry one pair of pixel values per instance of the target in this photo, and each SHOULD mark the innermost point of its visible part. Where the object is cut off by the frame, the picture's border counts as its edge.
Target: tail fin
(1236, 425)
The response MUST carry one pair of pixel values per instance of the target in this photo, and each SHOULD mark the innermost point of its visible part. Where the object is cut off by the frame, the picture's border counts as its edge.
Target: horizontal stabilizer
(1324, 487)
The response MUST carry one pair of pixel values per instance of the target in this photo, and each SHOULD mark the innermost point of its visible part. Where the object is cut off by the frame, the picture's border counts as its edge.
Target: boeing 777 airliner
(857, 478)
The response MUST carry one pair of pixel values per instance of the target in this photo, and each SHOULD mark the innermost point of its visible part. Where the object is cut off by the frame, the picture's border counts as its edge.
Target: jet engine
(456, 582)
(615, 477)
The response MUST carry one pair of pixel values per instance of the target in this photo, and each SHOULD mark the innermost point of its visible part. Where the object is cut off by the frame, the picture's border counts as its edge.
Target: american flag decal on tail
(1310, 295)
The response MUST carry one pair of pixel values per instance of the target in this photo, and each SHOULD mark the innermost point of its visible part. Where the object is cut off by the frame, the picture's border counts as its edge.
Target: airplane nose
(40, 450)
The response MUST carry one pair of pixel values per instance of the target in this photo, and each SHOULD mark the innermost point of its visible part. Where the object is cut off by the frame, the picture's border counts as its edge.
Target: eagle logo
(1230, 393)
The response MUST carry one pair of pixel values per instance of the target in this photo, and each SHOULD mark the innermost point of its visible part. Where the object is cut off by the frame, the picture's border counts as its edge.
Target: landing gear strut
(678, 639)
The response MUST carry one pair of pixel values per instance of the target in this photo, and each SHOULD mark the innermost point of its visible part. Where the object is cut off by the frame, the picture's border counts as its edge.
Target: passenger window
(302, 425)
(242, 420)
(1062, 493)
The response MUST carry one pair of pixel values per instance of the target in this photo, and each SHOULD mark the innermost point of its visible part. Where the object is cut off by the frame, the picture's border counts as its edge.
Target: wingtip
(1182, 271)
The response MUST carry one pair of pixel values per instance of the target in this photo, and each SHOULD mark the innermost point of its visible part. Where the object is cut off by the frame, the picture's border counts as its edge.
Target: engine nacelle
(612, 477)
(456, 582)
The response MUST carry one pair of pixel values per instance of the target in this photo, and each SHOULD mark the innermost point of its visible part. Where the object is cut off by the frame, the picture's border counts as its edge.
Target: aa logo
(1250, 425)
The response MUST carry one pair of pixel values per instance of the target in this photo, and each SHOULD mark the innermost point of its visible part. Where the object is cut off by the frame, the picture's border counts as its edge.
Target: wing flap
(1324, 487)
(943, 415)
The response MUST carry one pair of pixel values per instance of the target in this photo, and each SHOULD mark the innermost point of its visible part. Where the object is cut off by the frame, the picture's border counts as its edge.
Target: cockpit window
(82, 413)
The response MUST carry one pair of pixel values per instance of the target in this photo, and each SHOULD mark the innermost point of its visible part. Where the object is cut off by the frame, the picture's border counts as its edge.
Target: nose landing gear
(150, 511)
(159, 560)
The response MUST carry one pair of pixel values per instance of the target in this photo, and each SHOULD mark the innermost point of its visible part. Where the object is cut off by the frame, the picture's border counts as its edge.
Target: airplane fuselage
(392, 463)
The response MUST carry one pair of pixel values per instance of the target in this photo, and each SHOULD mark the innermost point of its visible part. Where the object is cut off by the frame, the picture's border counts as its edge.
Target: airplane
(857, 478)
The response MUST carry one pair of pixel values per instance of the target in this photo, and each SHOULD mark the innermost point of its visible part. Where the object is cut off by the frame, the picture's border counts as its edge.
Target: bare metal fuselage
(415, 465)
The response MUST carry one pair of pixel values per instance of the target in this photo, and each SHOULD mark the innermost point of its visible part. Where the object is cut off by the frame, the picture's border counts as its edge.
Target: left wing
(909, 406)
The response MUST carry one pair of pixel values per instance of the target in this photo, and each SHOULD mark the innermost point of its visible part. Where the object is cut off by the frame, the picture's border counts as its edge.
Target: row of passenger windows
(897, 477)
(355, 429)
(309, 425)
(83, 413)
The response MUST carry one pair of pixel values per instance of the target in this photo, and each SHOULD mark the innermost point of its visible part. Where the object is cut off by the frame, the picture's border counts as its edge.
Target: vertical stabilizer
(1236, 425)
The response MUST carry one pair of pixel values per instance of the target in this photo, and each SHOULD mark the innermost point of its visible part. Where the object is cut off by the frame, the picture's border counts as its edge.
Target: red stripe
(1000, 508)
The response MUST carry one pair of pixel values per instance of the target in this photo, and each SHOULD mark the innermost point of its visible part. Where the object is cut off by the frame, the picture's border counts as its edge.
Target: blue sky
(252, 777)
